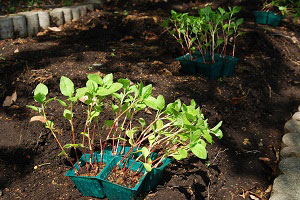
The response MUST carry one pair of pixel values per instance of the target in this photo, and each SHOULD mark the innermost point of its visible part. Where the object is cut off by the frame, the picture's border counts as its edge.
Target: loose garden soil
(254, 104)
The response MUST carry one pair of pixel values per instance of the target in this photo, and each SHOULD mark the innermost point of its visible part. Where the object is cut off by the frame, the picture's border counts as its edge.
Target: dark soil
(124, 177)
(254, 104)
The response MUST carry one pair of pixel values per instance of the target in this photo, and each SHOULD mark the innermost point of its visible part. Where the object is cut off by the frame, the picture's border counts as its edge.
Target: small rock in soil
(296, 116)
(292, 126)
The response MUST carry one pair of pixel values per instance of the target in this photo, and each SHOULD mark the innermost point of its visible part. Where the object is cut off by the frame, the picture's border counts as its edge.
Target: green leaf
(40, 93)
(115, 87)
(159, 124)
(180, 154)
(49, 124)
(104, 91)
(151, 102)
(130, 133)
(42, 89)
(207, 136)
(160, 102)
(61, 102)
(146, 91)
(109, 123)
(142, 122)
(151, 139)
(145, 152)
(131, 142)
(96, 78)
(114, 107)
(218, 133)
(68, 114)
(62, 153)
(199, 150)
(91, 85)
(239, 21)
(85, 134)
(80, 92)
(217, 127)
(124, 82)
(66, 86)
(33, 108)
(108, 80)
(94, 114)
(147, 167)
(222, 11)
(68, 146)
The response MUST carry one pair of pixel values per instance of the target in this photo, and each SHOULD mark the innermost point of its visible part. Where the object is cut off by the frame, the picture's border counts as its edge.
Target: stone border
(287, 185)
(28, 24)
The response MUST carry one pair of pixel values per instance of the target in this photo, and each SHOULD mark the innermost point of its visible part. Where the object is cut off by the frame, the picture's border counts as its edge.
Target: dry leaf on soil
(9, 100)
(253, 197)
(264, 159)
(38, 118)
(54, 29)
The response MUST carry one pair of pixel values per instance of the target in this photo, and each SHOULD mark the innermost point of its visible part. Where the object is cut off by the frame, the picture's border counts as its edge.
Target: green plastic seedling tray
(187, 65)
(273, 19)
(118, 192)
(261, 17)
(89, 185)
(229, 64)
(210, 70)
(154, 177)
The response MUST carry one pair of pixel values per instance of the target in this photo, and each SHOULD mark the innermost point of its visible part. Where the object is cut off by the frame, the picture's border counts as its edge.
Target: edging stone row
(287, 185)
(28, 24)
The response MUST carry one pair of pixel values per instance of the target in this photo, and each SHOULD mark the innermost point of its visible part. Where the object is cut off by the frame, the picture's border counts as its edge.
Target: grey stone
(290, 151)
(291, 139)
(44, 19)
(75, 13)
(32, 22)
(288, 184)
(67, 14)
(290, 165)
(20, 25)
(292, 126)
(282, 196)
(90, 7)
(57, 17)
(6, 28)
(82, 10)
(98, 3)
(296, 116)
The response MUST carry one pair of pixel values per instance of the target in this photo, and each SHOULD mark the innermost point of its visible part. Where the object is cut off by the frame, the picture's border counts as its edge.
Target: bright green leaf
(68, 114)
(199, 150)
(66, 86)
(96, 78)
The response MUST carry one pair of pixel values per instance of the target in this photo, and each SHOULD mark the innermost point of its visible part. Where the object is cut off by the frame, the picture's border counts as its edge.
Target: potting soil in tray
(114, 191)
(124, 177)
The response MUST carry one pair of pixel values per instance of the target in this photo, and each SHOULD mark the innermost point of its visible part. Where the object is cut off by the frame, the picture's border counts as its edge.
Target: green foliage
(207, 33)
(179, 128)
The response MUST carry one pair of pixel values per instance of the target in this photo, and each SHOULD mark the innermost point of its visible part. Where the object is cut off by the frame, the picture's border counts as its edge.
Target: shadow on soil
(15, 163)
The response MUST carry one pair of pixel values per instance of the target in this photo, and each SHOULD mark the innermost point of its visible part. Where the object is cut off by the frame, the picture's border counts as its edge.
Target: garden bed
(254, 104)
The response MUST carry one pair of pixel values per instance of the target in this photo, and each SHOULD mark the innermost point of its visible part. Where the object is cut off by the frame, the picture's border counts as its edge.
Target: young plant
(175, 130)
(180, 26)
(96, 90)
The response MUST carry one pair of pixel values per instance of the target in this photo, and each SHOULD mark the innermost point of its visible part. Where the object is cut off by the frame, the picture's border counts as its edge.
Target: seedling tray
(118, 192)
(89, 185)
